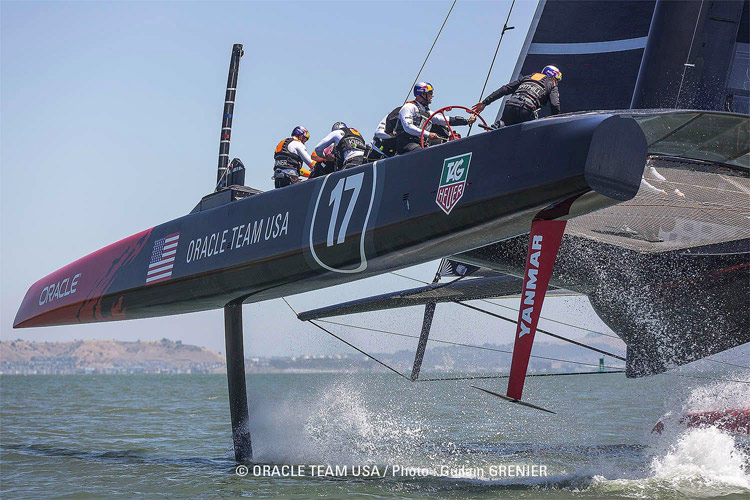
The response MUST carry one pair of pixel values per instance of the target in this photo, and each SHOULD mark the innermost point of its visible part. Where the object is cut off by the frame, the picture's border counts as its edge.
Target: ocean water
(162, 436)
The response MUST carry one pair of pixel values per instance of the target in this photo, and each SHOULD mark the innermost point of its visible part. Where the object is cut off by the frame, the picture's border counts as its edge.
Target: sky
(109, 124)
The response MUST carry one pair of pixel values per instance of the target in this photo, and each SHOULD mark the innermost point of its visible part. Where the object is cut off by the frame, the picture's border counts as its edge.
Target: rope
(289, 305)
(555, 321)
(502, 34)
(545, 332)
(443, 379)
(725, 363)
(617, 369)
(437, 273)
(439, 341)
(396, 334)
(515, 310)
(349, 344)
(442, 285)
(416, 337)
(408, 277)
(715, 379)
(223, 176)
(690, 50)
(359, 350)
(507, 376)
(430, 52)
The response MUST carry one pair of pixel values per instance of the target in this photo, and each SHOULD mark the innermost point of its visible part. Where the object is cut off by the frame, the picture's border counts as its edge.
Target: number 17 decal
(352, 183)
(347, 202)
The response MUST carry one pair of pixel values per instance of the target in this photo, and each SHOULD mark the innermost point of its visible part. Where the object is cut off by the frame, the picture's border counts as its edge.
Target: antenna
(226, 121)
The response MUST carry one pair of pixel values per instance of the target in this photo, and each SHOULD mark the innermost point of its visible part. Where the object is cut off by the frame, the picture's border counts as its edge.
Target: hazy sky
(110, 125)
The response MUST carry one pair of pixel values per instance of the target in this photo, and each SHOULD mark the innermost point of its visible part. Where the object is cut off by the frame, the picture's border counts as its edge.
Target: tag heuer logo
(453, 181)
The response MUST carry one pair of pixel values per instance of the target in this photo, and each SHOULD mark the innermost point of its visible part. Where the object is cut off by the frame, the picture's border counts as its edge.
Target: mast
(226, 122)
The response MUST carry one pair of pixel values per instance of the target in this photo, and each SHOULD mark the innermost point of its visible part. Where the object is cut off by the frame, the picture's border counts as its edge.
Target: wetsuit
(528, 95)
(287, 161)
(411, 117)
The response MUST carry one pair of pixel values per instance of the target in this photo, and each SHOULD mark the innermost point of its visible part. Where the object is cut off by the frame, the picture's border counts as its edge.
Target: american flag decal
(162, 259)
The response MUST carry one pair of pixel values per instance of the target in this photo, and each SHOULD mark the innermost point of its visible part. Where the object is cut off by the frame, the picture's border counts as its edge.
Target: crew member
(383, 145)
(412, 116)
(528, 95)
(349, 146)
(289, 157)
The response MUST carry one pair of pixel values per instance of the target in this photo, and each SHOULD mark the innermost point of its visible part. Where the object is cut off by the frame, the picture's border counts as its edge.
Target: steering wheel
(442, 111)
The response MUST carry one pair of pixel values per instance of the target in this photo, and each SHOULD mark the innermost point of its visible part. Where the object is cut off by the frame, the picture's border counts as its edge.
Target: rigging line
(460, 344)
(439, 341)
(690, 50)
(705, 188)
(505, 28)
(725, 363)
(441, 285)
(715, 379)
(696, 206)
(436, 286)
(223, 176)
(437, 274)
(430, 52)
(288, 304)
(416, 337)
(506, 376)
(408, 277)
(347, 343)
(359, 350)
(560, 337)
(502, 34)
(555, 321)
(516, 310)
(735, 184)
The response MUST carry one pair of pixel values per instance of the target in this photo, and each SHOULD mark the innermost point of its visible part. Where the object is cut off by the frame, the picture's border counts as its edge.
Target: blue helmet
(338, 126)
(422, 88)
(553, 72)
(301, 131)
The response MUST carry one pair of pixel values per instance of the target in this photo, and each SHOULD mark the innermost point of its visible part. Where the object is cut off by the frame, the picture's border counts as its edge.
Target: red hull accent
(734, 421)
(73, 294)
(737, 421)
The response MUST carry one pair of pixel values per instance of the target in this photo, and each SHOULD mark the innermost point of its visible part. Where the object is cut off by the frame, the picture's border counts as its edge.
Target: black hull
(351, 224)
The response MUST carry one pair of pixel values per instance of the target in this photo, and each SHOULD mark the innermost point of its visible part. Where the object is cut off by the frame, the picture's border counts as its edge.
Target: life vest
(352, 140)
(402, 135)
(285, 159)
(533, 90)
(387, 147)
(392, 120)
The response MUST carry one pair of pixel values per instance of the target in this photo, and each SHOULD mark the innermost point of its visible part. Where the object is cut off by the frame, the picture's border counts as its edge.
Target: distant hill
(166, 356)
(107, 356)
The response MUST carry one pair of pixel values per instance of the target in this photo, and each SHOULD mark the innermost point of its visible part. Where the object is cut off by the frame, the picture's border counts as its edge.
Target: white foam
(336, 426)
(704, 462)
(694, 462)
